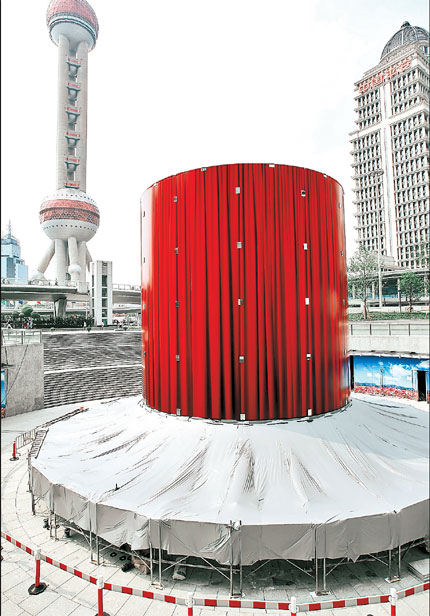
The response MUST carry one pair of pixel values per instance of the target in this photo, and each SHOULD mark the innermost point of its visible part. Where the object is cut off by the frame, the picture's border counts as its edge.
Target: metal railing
(20, 336)
(126, 287)
(388, 328)
(67, 283)
(39, 283)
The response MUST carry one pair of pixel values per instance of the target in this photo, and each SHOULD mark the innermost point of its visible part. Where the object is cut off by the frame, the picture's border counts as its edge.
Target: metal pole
(379, 271)
(324, 575)
(293, 606)
(231, 558)
(97, 539)
(159, 553)
(316, 564)
(399, 564)
(150, 552)
(316, 574)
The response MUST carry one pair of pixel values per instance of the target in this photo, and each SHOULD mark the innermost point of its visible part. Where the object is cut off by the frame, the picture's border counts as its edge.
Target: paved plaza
(69, 595)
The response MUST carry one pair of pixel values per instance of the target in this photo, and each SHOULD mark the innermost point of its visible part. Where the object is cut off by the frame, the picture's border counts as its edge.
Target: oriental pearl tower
(69, 217)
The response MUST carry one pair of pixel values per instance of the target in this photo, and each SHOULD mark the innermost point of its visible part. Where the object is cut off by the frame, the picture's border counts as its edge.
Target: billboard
(3, 389)
(390, 376)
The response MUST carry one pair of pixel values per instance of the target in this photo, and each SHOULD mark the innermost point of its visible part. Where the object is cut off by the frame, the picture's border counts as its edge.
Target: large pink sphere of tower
(63, 14)
(67, 213)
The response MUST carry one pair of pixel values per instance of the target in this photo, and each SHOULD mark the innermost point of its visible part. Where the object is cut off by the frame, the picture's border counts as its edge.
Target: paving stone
(61, 607)
(14, 578)
(81, 610)
(10, 609)
(157, 609)
(114, 601)
(87, 596)
(35, 604)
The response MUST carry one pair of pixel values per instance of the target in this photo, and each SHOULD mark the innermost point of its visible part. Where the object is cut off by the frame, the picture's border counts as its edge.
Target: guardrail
(20, 336)
(66, 283)
(126, 287)
(388, 328)
(38, 283)
(190, 601)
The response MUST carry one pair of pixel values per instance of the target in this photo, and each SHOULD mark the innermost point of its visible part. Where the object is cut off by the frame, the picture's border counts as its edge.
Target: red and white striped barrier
(192, 602)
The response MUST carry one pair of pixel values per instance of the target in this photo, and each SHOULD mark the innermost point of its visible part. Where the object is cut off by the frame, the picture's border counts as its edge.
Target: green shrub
(389, 316)
(26, 310)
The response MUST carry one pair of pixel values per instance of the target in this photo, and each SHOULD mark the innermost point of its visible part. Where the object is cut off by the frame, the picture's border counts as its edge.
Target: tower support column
(46, 259)
(74, 268)
(82, 251)
(60, 261)
(60, 306)
(63, 52)
(81, 174)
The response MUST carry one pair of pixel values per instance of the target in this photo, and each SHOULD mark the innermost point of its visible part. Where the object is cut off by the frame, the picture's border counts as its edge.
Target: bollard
(100, 586)
(38, 586)
(190, 603)
(293, 606)
(393, 601)
(14, 456)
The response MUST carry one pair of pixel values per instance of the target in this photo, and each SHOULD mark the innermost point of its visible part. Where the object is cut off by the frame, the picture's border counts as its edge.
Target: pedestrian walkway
(67, 594)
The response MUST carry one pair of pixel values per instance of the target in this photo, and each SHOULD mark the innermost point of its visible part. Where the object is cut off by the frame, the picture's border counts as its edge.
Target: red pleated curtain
(244, 293)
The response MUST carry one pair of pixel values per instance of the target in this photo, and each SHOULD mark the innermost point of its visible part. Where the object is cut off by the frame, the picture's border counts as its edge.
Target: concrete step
(66, 387)
(81, 365)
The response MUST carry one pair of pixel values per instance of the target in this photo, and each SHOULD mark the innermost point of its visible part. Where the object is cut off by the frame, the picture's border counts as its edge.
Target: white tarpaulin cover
(341, 485)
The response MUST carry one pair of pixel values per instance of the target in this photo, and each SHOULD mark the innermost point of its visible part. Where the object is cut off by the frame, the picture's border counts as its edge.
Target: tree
(412, 287)
(362, 272)
(26, 310)
(422, 254)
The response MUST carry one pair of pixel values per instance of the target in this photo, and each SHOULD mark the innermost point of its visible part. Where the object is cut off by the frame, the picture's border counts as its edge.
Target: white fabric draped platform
(344, 484)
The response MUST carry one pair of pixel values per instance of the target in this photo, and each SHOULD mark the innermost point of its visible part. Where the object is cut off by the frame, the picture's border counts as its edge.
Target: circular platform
(338, 485)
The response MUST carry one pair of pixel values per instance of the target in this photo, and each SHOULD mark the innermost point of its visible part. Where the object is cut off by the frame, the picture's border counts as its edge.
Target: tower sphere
(69, 213)
(70, 18)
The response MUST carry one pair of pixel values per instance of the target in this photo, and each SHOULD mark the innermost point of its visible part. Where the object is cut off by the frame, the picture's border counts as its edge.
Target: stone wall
(23, 364)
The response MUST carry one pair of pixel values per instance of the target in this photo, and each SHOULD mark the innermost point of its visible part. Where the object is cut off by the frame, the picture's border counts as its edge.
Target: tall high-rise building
(391, 150)
(69, 217)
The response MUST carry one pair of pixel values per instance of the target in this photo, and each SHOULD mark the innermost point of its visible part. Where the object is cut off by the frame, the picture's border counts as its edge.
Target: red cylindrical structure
(244, 293)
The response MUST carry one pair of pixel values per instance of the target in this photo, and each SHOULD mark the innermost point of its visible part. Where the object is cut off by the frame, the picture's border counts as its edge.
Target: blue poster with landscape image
(393, 376)
(3, 389)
